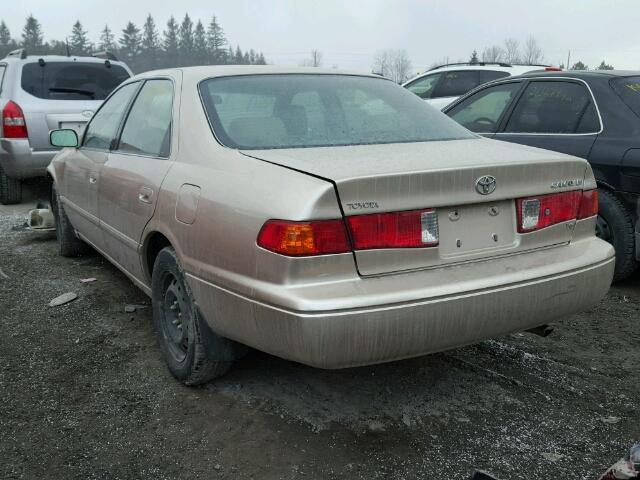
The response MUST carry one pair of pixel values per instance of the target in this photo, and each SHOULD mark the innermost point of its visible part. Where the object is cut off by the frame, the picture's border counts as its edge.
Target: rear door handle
(92, 179)
(145, 195)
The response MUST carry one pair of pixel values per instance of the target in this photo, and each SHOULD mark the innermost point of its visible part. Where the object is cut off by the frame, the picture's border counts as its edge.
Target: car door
(483, 111)
(81, 174)
(131, 177)
(556, 114)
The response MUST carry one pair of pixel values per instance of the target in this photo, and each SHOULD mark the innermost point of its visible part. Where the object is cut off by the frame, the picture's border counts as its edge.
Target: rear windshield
(71, 80)
(628, 89)
(298, 110)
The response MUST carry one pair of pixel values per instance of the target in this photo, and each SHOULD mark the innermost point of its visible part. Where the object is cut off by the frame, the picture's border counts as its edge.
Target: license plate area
(77, 126)
(476, 228)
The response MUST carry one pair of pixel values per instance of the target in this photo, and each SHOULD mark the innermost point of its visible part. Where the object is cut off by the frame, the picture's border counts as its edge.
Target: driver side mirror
(63, 138)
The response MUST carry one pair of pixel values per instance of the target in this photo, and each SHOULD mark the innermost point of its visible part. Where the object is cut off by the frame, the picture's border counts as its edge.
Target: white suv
(442, 85)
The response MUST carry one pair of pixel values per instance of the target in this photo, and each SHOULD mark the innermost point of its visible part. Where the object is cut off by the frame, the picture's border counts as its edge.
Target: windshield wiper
(88, 93)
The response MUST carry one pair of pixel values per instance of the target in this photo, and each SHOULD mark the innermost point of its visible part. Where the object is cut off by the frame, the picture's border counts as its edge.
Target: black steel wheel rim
(175, 319)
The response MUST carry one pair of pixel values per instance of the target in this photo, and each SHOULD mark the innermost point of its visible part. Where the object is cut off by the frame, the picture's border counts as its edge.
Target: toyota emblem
(486, 184)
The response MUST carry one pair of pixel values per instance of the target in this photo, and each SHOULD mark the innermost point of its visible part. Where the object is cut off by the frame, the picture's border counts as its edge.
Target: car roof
(495, 67)
(57, 58)
(585, 73)
(211, 71)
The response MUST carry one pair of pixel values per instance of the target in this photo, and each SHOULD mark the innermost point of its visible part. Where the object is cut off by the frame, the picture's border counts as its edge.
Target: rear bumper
(523, 296)
(19, 160)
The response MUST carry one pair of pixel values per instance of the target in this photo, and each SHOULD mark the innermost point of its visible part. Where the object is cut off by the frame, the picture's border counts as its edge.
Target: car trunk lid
(373, 179)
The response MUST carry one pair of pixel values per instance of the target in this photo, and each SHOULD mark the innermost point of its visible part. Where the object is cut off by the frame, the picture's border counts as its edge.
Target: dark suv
(594, 115)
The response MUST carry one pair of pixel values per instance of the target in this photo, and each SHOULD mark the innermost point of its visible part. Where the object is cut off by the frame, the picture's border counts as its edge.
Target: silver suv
(43, 93)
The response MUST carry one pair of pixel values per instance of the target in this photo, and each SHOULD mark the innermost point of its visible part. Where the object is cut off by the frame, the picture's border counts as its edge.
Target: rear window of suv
(628, 89)
(71, 80)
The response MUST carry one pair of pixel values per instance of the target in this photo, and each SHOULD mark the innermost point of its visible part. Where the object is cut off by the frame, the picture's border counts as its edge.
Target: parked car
(440, 86)
(593, 115)
(42, 93)
(331, 219)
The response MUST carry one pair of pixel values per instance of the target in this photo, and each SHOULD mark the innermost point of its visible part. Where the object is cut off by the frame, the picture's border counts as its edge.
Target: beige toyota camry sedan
(329, 218)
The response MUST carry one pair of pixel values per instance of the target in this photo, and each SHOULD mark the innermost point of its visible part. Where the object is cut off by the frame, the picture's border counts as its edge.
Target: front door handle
(92, 179)
(145, 195)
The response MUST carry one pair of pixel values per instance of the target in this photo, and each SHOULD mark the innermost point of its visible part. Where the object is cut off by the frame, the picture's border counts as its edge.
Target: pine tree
(216, 42)
(230, 57)
(150, 47)
(79, 43)
(130, 45)
(238, 57)
(107, 40)
(261, 60)
(252, 57)
(200, 45)
(185, 41)
(32, 35)
(170, 43)
(6, 42)
(474, 58)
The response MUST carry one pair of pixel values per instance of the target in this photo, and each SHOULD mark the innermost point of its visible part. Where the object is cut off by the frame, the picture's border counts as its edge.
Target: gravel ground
(85, 394)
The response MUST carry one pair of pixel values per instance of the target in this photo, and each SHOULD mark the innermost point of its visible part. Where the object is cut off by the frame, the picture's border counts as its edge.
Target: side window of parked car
(103, 128)
(489, 75)
(554, 107)
(3, 68)
(147, 129)
(423, 87)
(456, 83)
(481, 112)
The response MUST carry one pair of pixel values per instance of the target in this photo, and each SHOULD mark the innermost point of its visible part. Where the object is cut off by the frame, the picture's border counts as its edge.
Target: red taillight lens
(13, 122)
(410, 229)
(543, 211)
(301, 239)
(553, 69)
(589, 204)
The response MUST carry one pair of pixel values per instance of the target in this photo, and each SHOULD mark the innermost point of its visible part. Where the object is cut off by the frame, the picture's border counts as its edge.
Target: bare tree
(393, 64)
(532, 53)
(314, 60)
(511, 50)
(493, 54)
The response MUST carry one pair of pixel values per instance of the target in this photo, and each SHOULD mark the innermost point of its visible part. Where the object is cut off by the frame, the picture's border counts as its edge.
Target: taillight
(300, 239)
(589, 204)
(13, 122)
(552, 69)
(408, 229)
(535, 213)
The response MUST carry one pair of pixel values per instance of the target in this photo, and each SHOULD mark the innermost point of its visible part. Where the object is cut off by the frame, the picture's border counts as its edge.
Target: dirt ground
(85, 395)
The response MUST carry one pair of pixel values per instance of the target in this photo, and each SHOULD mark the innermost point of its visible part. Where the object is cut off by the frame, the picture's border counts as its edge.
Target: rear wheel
(192, 351)
(69, 245)
(10, 189)
(615, 225)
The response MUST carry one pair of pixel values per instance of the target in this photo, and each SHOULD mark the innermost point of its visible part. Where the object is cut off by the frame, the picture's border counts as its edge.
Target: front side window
(103, 128)
(72, 80)
(481, 112)
(289, 111)
(554, 107)
(423, 87)
(147, 130)
(456, 83)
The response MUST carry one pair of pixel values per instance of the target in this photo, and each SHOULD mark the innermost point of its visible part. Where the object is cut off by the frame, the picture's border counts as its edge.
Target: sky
(349, 32)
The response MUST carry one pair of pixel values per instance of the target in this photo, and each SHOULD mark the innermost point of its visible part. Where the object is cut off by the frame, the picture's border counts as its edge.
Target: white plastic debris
(62, 299)
(87, 280)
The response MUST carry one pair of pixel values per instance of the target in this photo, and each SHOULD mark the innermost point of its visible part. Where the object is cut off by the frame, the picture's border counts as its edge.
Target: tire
(192, 351)
(615, 225)
(69, 245)
(10, 189)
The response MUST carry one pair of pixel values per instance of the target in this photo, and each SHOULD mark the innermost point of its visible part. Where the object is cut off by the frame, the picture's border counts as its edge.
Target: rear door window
(554, 107)
(489, 75)
(103, 128)
(481, 112)
(628, 89)
(423, 87)
(456, 83)
(71, 80)
(147, 130)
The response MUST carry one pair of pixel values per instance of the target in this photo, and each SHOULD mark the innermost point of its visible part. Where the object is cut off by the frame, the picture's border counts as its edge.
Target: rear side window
(628, 89)
(481, 112)
(456, 83)
(147, 130)
(71, 80)
(489, 75)
(554, 107)
(423, 87)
